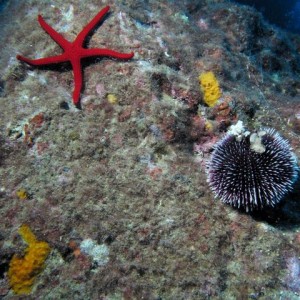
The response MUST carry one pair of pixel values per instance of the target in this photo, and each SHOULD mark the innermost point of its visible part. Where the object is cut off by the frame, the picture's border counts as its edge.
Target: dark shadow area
(4, 151)
(284, 14)
(91, 33)
(286, 215)
(3, 4)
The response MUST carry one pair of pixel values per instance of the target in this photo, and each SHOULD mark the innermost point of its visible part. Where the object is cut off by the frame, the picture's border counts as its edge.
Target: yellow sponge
(22, 194)
(23, 270)
(210, 88)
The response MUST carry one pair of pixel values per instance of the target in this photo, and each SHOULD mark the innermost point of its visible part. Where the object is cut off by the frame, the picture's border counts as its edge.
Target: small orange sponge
(210, 88)
(23, 270)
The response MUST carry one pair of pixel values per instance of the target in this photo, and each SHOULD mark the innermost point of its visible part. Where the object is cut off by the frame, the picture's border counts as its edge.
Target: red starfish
(74, 51)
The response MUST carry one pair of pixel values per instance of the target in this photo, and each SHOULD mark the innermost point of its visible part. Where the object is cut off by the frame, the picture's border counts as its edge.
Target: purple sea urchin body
(249, 179)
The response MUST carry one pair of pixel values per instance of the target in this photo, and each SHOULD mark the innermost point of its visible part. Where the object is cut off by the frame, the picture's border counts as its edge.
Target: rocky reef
(118, 189)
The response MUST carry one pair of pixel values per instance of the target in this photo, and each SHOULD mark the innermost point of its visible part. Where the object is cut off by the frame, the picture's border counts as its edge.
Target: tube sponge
(23, 270)
(210, 88)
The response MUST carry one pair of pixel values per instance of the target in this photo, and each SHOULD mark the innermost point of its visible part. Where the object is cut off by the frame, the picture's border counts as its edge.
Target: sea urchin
(252, 175)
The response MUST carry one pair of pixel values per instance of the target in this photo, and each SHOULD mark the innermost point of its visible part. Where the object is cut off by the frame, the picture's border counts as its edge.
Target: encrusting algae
(23, 270)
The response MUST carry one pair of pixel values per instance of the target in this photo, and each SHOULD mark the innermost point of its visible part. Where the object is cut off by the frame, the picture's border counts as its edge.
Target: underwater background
(107, 196)
(285, 14)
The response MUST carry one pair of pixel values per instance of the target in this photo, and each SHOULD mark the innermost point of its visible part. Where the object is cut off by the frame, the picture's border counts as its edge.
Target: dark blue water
(3, 4)
(282, 13)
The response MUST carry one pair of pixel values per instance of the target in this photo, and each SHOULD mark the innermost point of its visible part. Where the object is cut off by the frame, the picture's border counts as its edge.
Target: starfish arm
(107, 52)
(44, 61)
(57, 37)
(76, 65)
(90, 26)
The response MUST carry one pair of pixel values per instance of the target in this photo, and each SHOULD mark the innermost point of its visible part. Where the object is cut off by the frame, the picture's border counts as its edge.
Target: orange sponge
(23, 270)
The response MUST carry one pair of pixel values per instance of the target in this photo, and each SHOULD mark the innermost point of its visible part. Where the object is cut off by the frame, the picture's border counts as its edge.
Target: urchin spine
(252, 171)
